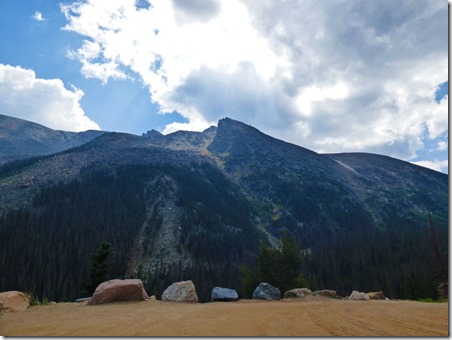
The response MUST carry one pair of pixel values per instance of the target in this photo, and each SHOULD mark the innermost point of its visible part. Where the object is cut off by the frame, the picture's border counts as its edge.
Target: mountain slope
(194, 205)
(22, 139)
(393, 186)
(295, 188)
(312, 195)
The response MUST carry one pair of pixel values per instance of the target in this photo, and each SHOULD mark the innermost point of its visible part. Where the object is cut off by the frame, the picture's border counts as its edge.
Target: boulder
(118, 290)
(14, 301)
(377, 295)
(325, 292)
(183, 291)
(297, 293)
(224, 294)
(266, 292)
(359, 296)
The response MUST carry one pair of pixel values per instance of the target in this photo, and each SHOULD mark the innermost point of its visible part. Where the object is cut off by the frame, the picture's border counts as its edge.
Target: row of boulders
(301, 293)
(266, 291)
(185, 291)
(132, 289)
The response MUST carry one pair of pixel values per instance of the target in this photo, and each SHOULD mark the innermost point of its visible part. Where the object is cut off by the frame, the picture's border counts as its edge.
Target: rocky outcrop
(118, 290)
(224, 294)
(325, 292)
(359, 296)
(377, 295)
(297, 293)
(168, 250)
(183, 291)
(14, 301)
(266, 292)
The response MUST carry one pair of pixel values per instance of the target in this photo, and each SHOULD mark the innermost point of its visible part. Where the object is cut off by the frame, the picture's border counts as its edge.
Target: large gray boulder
(224, 294)
(183, 291)
(359, 296)
(266, 292)
(297, 293)
(118, 290)
(14, 301)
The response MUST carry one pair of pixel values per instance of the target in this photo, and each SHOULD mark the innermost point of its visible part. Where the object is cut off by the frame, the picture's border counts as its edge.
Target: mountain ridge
(21, 139)
(198, 204)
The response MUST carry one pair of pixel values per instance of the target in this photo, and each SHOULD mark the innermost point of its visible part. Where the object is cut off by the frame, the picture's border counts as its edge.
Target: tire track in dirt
(243, 318)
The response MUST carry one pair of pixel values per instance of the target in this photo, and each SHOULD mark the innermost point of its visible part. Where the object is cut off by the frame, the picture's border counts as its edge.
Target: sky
(332, 76)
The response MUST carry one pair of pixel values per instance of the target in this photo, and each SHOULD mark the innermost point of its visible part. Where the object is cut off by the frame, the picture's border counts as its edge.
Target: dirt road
(243, 318)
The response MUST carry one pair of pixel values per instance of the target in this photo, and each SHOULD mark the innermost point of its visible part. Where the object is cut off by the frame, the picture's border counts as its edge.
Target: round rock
(183, 291)
(266, 291)
(224, 294)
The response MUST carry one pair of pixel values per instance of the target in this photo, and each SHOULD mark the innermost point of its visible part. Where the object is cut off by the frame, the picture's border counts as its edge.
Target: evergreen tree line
(323, 205)
(280, 268)
(46, 248)
(344, 250)
(403, 262)
(399, 261)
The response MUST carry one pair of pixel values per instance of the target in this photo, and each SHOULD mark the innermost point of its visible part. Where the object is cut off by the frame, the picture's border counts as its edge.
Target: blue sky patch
(441, 91)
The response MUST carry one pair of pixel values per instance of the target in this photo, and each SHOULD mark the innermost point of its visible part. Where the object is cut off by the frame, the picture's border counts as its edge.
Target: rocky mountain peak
(237, 137)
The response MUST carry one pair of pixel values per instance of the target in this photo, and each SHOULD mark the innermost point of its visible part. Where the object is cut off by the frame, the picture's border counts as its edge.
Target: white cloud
(390, 57)
(442, 146)
(434, 164)
(315, 94)
(38, 16)
(165, 50)
(331, 76)
(44, 101)
(87, 54)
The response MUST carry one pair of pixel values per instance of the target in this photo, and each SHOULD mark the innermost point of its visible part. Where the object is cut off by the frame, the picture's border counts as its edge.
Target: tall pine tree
(99, 268)
(280, 268)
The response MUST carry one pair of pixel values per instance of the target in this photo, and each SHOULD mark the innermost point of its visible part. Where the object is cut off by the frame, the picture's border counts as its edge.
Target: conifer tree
(280, 268)
(99, 268)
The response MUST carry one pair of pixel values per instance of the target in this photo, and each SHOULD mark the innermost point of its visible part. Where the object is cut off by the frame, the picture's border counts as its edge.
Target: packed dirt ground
(321, 317)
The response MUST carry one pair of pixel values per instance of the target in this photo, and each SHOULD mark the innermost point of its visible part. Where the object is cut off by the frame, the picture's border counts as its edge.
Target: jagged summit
(152, 133)
(182, 140)
(233, 134)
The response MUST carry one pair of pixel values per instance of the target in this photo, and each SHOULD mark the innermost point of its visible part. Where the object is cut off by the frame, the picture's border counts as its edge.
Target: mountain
(196, 205)
(21, 139)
